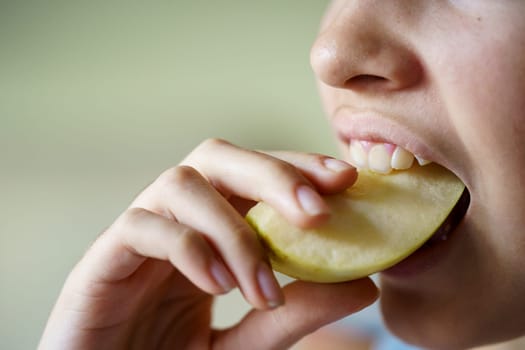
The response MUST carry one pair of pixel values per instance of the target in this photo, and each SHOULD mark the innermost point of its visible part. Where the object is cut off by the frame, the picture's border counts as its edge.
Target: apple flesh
(374, 224)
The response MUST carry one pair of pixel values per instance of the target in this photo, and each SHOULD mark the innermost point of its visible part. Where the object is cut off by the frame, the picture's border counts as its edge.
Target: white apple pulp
(374, 224)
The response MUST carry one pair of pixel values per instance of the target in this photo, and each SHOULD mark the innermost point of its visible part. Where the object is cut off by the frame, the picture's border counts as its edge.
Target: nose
(358, 49)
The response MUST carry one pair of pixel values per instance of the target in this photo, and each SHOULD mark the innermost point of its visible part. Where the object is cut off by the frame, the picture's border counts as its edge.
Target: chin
(410, 320)
(433, 300)
(451, 301)
(452, 332)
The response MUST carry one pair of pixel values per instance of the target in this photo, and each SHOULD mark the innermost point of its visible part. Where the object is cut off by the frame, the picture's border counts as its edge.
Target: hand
(148, 281)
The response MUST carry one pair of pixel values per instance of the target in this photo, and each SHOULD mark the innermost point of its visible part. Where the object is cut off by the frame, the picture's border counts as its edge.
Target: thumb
(308, 307)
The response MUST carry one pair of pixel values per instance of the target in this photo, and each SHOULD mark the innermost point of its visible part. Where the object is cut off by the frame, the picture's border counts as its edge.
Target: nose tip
(329, 65)
(360, 59)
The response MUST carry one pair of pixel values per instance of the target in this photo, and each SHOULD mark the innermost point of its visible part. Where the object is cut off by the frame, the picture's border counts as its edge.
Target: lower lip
(421, 260)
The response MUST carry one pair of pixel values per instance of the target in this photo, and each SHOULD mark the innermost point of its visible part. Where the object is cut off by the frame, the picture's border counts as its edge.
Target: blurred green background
(98, 97)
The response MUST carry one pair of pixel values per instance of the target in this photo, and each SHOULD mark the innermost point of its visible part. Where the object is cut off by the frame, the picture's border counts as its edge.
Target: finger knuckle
(212, 143)
(242, 239)
(243, 235)
(206, 150)
(281, 168)
(188, 239)
(177, 176)
(129, 218)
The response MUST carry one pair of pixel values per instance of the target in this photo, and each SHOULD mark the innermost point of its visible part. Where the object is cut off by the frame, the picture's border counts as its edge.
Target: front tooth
(401, 159)
(358, 155)
(422, 161)
(379, 159)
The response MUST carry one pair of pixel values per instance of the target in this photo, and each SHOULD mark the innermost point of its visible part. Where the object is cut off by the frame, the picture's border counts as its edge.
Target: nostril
(365, 80)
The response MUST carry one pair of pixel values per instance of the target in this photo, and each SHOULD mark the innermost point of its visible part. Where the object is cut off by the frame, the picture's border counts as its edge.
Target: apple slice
(374, 224)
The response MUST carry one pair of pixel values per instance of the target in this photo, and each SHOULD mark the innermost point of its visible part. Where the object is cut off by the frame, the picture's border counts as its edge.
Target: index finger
(260, 177)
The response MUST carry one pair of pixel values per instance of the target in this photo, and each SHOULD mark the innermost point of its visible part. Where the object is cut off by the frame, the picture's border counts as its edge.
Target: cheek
(482, 85)
(487, 109)
(480, 74)
(483, 88)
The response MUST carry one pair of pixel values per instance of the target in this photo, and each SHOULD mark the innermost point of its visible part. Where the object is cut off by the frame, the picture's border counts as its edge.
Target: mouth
(384, 158)
(396, 149)
(383, 142)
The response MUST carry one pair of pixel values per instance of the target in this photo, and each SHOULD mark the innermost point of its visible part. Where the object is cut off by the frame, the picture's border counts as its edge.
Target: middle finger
(190, 199)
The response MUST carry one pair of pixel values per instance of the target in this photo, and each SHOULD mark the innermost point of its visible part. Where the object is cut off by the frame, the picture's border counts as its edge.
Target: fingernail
(311, 201)
(222, 276)
(269, 286)
(336, 165)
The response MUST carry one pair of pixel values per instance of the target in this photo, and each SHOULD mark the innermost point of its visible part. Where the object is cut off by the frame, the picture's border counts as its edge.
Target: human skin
(149, 280)
(442, 79)
(445, 80)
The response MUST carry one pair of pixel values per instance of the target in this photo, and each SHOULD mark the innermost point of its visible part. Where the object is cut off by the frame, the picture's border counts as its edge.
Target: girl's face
(446, 81)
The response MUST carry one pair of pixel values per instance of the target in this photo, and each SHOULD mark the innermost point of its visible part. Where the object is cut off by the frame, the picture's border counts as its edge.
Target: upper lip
(374, 125)
(370, 125)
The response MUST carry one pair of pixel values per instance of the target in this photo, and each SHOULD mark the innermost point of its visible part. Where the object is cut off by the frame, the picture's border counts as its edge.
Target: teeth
(358, 155)
(381, 157)
(402, 159)
(422, 161)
